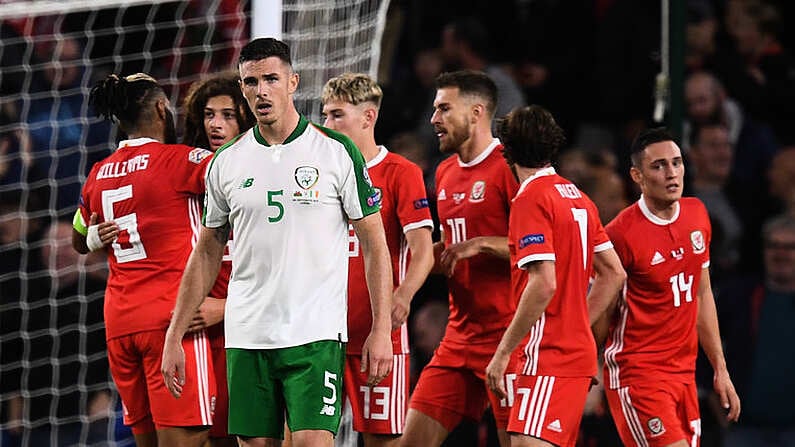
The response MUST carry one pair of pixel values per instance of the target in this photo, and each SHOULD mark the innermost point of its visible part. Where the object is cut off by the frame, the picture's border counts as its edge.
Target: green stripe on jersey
(368, 197)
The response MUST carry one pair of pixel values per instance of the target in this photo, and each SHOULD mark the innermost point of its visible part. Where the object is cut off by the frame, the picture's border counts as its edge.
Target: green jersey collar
(299, 129)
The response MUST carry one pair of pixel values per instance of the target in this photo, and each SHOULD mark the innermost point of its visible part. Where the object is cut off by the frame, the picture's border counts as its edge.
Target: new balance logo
(657, 259)
(555, 426)
(247, 182)
(327, 410)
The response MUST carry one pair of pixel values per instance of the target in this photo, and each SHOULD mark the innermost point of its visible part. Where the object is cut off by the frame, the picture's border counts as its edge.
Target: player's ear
(478, 112)
(292, 83)
(370, 117)
(636, 175)
(161, 107)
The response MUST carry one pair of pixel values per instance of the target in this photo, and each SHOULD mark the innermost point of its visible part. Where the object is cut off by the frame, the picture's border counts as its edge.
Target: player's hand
(210, 313)
(456, 252)
(729, 399)
(495, 372)
(377, 357)
(108, 231)
(400, 308)
(173, 366)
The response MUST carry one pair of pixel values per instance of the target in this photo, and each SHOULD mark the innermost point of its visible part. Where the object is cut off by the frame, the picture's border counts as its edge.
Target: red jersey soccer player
(215, 113)
(650, 358)
(350, 103)
(474, 190)
(146, 196)
(556, 242)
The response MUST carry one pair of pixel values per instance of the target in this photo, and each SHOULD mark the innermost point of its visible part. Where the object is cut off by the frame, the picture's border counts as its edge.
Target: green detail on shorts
(365, 188)
(305, 380)
(78, 224)
(299, 129)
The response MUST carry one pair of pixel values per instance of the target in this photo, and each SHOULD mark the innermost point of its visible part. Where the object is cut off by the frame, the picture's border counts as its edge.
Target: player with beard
(215, 113)
(474, 191)
(141, 205)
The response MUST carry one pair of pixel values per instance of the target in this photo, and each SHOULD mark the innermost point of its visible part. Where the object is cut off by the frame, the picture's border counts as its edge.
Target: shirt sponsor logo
(421, 203)
(697, 238)
(478, 191)
(458, 197)
(531, 239)
(657, 259)
(246, 183)
(306, 176)
(678, 254)
(198, 154)
(655, 426)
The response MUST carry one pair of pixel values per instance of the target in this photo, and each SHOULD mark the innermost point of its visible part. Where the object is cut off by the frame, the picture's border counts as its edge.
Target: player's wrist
(93, 241)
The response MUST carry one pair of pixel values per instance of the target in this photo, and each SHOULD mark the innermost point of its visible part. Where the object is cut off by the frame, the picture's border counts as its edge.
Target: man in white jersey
(288, 188)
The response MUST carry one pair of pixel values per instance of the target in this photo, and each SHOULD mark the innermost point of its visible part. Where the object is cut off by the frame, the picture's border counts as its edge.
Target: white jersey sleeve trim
(705, 265)
(603, 246)
(522, 263)
(415, 225)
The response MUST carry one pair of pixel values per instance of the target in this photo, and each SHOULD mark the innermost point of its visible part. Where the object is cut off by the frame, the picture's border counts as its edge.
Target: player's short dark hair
(263, 48)
(125, 98)
(646, 138)
(224, 84)
(471, 82)
(530, 136)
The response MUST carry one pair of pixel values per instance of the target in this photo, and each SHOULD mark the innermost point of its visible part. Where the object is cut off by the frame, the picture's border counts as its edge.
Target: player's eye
(229, 115)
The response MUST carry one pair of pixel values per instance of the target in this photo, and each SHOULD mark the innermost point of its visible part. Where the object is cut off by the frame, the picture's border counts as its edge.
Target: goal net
(55, 388)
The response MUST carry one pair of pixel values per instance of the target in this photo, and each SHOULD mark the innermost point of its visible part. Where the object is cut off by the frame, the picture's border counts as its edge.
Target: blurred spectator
(407, 101)
(700, 36)
(781, 180)
(711, 156)
(465, 45)
(427, 330)
(707, 102)
(762, 77)
(412, 146)
(607, 190)
(756, 315)
(60, 135)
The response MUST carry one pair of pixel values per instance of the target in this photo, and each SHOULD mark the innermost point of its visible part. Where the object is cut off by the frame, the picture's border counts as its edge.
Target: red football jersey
(404, 207)
(655, 333)
(474, 199)
(150, 190)
(552, 220)
(219, 290)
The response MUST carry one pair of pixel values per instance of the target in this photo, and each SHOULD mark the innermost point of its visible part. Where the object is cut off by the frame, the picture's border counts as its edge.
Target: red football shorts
(452, 387)
(380, 409)
(135, 365)
(221, 414)
(656, 413)
(549, 408)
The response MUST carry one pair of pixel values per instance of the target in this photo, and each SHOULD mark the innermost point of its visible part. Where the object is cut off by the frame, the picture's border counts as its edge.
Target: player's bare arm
(541, 286)
(421, 249)
(377, 349)
(607, 284)
(209, 313)
(104, 234)
(197, 280)
(496, 246)
(709, 338)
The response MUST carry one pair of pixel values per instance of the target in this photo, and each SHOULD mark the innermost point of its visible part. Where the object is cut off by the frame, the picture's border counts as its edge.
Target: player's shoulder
(692, 203)
(625, 219)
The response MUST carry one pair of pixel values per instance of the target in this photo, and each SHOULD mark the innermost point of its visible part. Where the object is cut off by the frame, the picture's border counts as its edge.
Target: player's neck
(278, 131)
(368, 148)
(523, 173)
(664, 210)
(475, 145)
